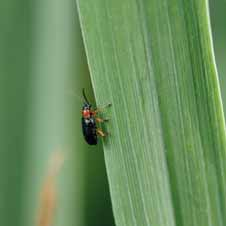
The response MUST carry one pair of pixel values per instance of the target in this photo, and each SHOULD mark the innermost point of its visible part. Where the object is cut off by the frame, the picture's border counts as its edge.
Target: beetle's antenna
(72, 93)
(84, 95)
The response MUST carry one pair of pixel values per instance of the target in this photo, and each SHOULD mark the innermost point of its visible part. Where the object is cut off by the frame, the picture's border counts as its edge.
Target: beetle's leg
(101, 133)
(94, 113)
(100, 109)
(101, 119)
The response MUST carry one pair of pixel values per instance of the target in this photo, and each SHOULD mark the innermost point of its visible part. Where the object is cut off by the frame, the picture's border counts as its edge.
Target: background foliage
(42, 62)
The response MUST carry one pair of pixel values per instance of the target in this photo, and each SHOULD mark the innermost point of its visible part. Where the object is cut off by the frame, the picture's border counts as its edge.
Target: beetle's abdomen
(89, 130)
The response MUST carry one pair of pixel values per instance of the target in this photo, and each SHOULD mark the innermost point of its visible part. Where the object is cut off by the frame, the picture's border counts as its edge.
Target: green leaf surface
(165, 156)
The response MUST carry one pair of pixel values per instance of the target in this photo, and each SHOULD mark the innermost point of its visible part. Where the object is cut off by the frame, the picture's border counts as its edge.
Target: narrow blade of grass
(165, 156)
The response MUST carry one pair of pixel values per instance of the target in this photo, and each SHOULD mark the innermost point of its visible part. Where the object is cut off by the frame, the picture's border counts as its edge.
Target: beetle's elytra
(89, 120)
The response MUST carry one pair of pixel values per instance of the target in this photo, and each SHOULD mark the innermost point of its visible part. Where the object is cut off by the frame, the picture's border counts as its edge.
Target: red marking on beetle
(86, 113)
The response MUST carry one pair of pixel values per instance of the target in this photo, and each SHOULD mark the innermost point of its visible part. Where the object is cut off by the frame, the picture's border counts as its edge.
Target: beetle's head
(86, 110)
(86, 107)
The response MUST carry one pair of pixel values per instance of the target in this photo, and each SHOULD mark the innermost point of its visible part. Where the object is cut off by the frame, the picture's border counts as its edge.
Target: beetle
(89, 120)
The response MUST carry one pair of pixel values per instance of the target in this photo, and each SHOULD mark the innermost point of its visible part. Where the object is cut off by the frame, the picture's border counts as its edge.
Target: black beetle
(89, 119)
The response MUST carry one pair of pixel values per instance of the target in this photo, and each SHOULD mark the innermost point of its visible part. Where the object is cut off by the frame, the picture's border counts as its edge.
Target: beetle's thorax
(86, 113)
(86, 110)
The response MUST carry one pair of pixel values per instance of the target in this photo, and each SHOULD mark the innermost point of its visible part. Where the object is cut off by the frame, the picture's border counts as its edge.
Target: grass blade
(165, 157)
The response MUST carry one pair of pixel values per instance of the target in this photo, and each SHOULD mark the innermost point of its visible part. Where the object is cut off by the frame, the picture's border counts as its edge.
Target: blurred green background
(218, 17)
(42, 61)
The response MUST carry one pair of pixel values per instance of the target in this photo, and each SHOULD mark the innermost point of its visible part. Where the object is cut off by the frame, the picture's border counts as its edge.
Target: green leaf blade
(165, 157)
